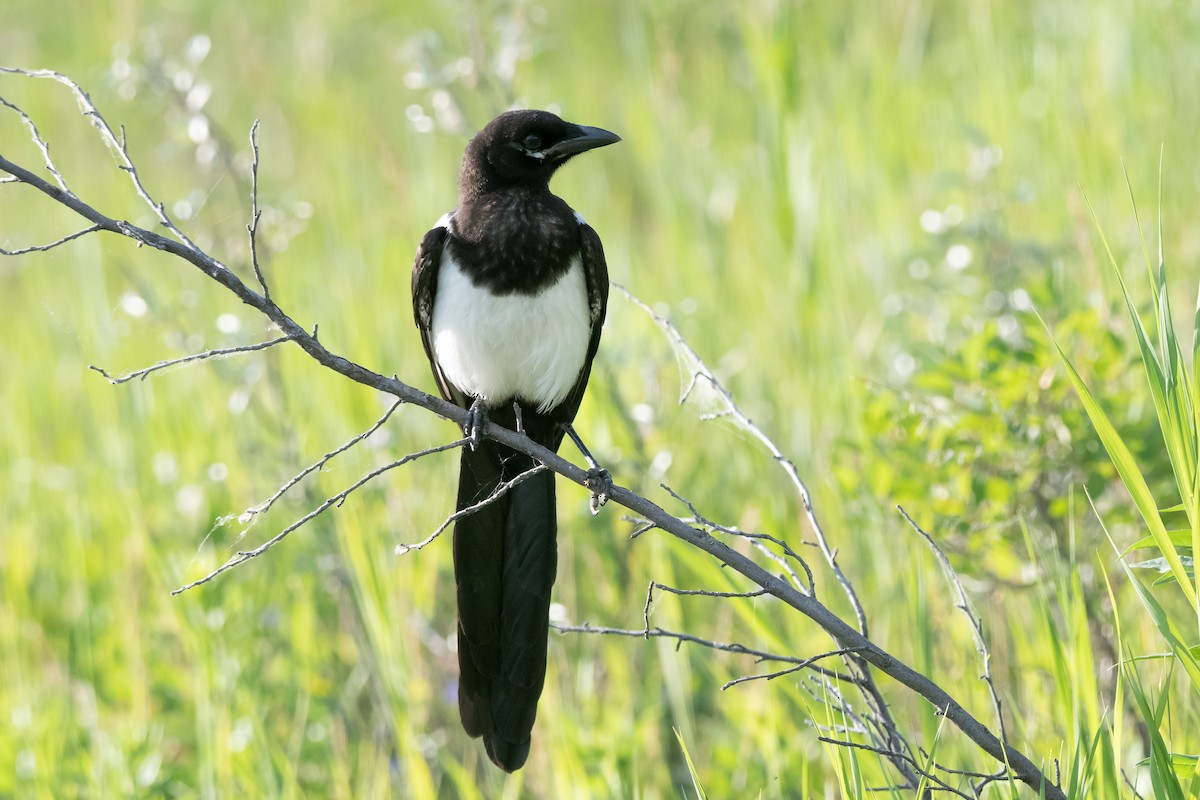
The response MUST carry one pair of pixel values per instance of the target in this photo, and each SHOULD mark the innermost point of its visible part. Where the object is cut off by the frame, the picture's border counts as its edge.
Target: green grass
(776, 161)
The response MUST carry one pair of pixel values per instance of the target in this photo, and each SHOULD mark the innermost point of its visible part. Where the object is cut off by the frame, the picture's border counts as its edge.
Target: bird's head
(524, 148)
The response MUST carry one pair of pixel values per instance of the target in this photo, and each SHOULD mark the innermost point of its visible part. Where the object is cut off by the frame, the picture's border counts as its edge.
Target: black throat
(519, 239)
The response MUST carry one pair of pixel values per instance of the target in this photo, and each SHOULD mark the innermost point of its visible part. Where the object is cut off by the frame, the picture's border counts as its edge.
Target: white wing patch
(513, 346)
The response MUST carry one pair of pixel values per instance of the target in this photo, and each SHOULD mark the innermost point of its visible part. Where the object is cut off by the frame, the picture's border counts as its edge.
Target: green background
(795, 189)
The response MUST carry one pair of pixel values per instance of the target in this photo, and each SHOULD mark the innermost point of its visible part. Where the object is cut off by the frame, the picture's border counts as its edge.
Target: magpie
(509, 294)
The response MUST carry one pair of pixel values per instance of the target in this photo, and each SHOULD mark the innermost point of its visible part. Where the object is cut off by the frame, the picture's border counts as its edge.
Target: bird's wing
(424, 290)
(595, 271)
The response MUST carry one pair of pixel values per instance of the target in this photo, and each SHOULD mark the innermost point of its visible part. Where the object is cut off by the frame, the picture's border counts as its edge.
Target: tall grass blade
(699, 787)
(1130, 475)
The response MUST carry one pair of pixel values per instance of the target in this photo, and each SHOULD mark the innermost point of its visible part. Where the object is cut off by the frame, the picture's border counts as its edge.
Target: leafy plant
(1173, 388)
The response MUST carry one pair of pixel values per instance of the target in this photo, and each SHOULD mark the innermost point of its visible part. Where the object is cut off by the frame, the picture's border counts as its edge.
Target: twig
(37, 248)
(964, 605)
(242, 556)
(682, 638)
(265, 505)
(1132, 786)
(255, 213)
(119, 146)
(207, 354)
(770, 676)
(757, 539)
(700, 371)
(893, 754)
(41, 143)
(499, 492)
(998, 775)
(706, 592)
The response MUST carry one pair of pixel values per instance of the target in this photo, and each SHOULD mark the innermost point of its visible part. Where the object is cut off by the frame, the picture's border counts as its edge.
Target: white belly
(515, 346)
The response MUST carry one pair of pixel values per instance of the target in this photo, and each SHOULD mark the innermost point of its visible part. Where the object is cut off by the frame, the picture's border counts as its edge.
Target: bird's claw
(599, 482)
(475, 424)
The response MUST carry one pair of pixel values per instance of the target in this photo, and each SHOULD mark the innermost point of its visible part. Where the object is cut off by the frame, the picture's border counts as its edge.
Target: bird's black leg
(598, 480)
(519, 415)
(477, 421)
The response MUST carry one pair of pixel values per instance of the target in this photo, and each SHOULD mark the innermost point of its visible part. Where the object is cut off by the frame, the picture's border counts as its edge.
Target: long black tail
(505, 558)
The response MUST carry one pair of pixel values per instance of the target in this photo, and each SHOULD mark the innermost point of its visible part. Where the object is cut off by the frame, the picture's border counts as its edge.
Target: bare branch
(640, 525)
(41, 143)
(499, 492)
(207, 354)
(42, 247)
(242, 556)
(757, 539)
(805, 664)
(893, 754)
(119, 146)
(681, 638)
(255, 213)
(963, 604)
(706, 592)
(700, 371)
(265, 505)
(998, 775)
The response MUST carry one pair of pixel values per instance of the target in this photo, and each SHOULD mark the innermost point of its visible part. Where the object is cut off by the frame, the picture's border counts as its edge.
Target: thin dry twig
(207, 354)
(687, 638)
(242, 556)
(496, 494)
(255, 213)
(700, 371)
(38, 248)
(41, 143)
(940, 784)
(757, 540)
(265, 505)
(998, 775)
(706, 592)
(963, 604)
(117, 145)
(804, 664)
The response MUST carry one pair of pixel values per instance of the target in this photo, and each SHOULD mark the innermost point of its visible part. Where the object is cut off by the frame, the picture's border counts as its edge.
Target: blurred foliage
(975, 425)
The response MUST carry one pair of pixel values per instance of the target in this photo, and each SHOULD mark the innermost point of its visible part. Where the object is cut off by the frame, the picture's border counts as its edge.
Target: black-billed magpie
(509, 293)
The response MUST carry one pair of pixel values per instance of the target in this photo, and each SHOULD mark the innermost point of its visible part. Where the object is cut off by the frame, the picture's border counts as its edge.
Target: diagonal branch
(265, 505)
(701, 372)
(682, 638)
(207, 354)
(119, 146)
(801, 665)
(255, 212)
(41, 143)
(964, 605)
(242, 556)
(38, 248)
(499, 492)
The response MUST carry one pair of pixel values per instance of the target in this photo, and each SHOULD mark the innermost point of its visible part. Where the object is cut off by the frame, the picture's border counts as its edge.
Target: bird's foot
(476, 424)
(599, 483)
(598, 480)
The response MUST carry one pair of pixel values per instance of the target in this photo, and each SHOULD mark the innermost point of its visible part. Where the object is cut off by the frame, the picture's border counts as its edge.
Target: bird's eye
(532, 142)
